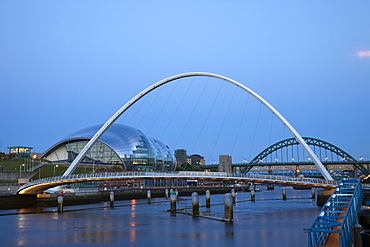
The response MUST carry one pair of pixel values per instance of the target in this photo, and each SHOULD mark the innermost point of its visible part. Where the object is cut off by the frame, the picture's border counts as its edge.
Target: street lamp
(20, 171)
(54, 169)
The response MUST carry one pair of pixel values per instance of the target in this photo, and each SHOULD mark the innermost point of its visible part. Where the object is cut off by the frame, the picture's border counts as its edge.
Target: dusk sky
(67, 65)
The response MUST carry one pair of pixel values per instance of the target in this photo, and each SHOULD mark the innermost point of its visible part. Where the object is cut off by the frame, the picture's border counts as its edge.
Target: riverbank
(25, 201)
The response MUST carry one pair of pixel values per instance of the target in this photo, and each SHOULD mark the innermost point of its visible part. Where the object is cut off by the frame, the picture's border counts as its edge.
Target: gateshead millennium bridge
(40, 185)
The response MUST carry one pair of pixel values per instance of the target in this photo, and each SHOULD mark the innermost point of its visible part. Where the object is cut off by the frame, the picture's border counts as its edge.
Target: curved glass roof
(127, 142)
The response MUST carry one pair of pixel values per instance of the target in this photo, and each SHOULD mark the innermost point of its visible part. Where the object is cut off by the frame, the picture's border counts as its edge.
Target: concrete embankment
(24, 201)
(17, 201)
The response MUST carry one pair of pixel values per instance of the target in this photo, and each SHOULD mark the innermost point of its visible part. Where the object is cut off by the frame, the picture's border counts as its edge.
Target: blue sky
(66, 65)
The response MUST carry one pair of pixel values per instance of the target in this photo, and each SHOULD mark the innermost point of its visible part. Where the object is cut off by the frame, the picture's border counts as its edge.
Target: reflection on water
(135, 223)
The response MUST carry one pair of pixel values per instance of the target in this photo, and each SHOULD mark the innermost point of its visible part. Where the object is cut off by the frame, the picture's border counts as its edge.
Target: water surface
(266, 222)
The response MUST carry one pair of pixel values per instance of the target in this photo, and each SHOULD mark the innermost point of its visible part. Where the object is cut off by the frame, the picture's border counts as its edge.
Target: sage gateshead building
(119, 145)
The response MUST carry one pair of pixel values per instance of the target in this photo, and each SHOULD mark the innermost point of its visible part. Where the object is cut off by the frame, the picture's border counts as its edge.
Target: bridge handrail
(326, 220)
(112, 175)
(287, 178)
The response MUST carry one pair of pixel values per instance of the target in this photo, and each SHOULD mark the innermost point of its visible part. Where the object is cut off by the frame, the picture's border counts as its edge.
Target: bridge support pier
(166, 193)
(195, 204)
(111, 199)
(312, 193)
(355, 172)
(364, 220)
(253, 197)
(208, 199)
(322, 196)
(229, 217)
(149, 196)
(233, 195)
(173, 203)
(60, 203)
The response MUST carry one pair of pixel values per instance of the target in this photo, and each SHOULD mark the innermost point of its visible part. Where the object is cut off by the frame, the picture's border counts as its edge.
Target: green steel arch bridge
(260, 159)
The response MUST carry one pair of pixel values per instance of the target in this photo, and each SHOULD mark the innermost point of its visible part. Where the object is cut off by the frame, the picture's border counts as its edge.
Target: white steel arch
(101, 131)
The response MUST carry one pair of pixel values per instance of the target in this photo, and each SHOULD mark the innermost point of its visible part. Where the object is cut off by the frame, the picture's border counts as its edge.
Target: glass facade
(120, 144)
(99, 153)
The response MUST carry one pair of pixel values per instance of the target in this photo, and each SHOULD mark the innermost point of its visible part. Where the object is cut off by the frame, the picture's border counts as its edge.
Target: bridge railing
(112, 175)
(292, 179)
(81, 176)
(338, 215)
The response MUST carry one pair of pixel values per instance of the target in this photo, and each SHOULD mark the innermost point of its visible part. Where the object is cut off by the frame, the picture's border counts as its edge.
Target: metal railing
(338, 215)
(203, 175)
(293, 179)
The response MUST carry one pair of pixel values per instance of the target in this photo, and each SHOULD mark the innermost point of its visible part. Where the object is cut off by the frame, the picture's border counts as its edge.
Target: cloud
(363, 54)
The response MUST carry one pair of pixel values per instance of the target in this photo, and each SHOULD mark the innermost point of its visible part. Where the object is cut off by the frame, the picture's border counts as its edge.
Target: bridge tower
(224, 164)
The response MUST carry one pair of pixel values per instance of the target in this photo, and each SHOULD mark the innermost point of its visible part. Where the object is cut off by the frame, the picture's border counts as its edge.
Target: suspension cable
(240, 124)
(191, 113)
(157, 115)
(151, 105)
(223, 122)
(254, 134)
(178, 106)
(209, 112)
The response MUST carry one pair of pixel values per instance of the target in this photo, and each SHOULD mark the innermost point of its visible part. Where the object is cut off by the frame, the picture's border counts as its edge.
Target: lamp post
(20, 170)
(54, 169)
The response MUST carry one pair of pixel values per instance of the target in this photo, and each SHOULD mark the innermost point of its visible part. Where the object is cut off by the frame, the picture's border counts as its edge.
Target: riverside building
(119, 145)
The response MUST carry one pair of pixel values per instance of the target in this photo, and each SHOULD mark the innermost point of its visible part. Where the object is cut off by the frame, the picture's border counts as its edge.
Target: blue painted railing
(338, 215)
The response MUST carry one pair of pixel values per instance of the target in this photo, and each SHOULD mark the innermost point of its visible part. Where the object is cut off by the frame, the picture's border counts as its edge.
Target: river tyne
(269, 221)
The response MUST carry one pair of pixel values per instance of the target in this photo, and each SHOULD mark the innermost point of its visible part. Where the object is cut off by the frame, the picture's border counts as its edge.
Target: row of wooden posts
(230, 199)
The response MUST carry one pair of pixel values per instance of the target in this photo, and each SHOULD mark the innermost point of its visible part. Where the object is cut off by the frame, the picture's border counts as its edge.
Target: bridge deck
(38, 186)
